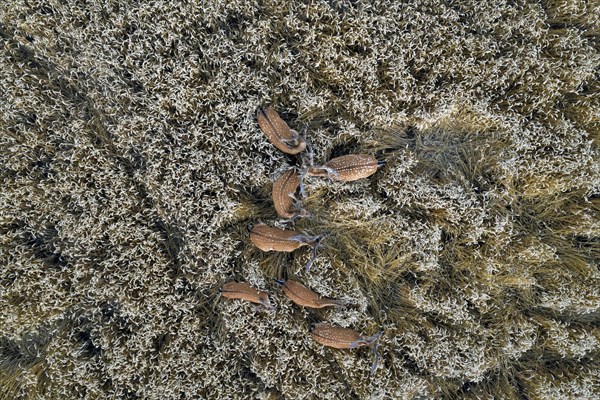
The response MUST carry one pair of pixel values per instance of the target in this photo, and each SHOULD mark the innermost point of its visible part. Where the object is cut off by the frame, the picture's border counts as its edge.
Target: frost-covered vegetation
(131, 164)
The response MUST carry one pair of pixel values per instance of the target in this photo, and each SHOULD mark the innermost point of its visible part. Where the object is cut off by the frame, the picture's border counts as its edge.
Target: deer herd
(346, 168)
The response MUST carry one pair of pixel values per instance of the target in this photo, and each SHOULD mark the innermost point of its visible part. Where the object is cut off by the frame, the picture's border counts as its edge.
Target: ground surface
(131, 164)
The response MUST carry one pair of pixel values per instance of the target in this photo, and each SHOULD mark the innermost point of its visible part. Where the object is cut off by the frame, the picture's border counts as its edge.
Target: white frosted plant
(446, 356)
(571, 341)
(580, 383)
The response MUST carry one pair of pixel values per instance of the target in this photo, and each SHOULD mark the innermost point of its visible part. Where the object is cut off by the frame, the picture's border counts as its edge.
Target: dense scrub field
(132, 163)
